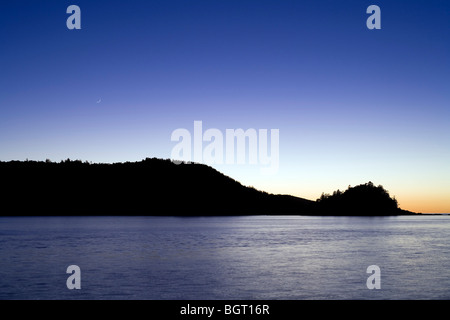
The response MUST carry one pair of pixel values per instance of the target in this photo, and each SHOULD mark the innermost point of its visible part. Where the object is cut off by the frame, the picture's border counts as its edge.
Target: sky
(351, 104)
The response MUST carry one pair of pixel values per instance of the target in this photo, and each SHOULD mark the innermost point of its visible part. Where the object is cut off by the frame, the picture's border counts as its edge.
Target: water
(254, 257)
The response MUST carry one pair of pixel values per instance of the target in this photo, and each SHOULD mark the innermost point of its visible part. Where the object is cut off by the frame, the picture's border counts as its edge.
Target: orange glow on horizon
(411, 201)
(423, 204)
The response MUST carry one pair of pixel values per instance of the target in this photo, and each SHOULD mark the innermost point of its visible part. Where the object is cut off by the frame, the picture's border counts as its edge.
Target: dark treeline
(159, 187)
(367, 198)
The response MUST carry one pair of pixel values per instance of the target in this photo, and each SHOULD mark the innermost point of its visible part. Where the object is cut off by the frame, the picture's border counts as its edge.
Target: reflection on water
(259, 257)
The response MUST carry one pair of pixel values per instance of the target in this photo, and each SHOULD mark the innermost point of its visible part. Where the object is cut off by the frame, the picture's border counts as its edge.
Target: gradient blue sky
(351, 104)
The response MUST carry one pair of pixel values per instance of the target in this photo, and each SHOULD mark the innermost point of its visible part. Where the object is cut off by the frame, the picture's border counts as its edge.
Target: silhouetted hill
(364, 199)
(151, 187)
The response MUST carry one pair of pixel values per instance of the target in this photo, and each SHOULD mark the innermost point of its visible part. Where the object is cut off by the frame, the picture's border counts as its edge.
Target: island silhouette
(159, 187)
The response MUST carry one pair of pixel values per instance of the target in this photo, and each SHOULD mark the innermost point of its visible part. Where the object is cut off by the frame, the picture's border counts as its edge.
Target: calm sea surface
(254, 257)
